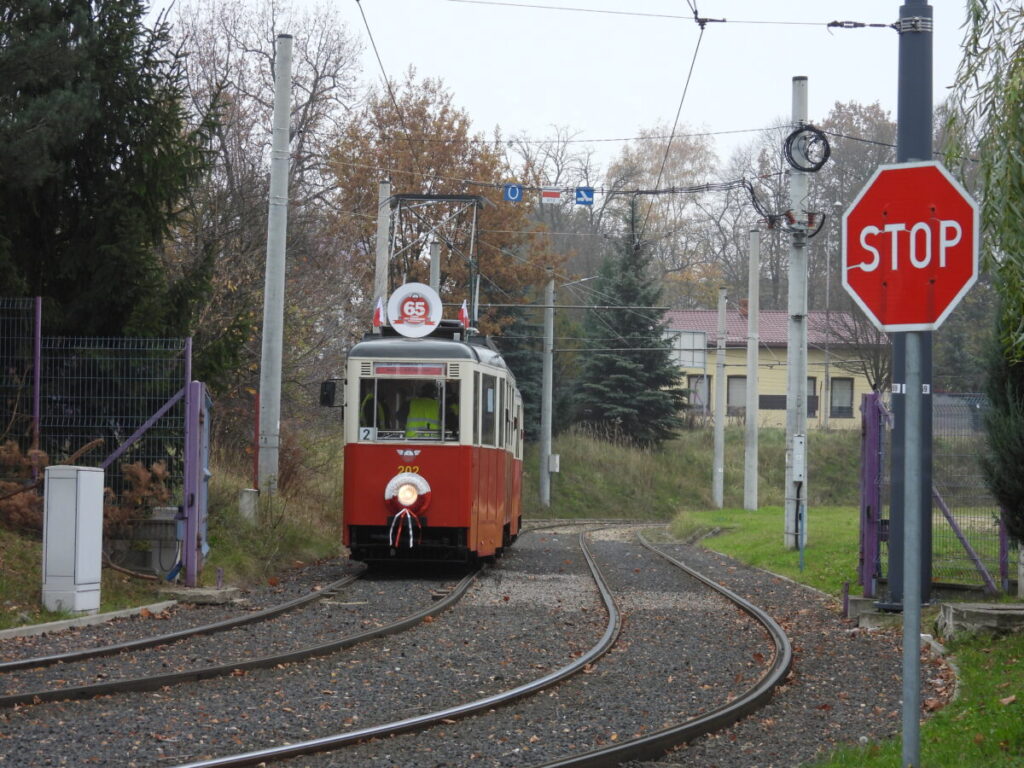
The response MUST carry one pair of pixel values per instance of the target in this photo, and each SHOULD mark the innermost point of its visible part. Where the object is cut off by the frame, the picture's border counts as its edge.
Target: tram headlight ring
(408, 490)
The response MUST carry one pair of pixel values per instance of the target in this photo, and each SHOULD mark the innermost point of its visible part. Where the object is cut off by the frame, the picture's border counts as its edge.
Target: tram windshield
(409, 409)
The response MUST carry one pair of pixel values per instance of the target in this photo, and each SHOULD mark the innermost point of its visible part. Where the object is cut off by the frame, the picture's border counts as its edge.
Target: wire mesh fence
(965, 520)
(16, 354)
(968, 546)
(112, 390)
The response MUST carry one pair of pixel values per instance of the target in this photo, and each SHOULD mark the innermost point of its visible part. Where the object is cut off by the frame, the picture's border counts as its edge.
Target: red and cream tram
(433, 447)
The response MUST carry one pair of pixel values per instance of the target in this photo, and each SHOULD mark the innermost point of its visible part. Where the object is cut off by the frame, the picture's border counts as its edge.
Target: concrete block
(202, 595)
(980, 618)
(879, 619)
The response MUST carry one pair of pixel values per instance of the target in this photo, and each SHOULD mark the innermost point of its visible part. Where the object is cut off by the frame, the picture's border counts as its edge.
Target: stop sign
(910, 246)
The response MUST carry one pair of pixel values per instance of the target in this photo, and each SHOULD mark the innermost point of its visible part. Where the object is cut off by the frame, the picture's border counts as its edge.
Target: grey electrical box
(799, 458)
(72, 538)
(553, 462)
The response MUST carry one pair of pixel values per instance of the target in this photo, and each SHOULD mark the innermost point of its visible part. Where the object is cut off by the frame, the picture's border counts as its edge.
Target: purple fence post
(1004, 552)
(37, 372)
(190, 497)
(870, 492)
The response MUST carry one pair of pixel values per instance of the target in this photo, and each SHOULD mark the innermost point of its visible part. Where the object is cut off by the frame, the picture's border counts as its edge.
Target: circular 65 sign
(910, 246)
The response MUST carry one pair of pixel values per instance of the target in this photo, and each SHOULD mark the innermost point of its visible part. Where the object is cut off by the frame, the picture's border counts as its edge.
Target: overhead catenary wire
(693, 9)
(387, 85)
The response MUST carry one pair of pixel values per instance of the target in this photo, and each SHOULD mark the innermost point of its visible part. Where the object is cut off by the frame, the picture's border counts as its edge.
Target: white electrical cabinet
(72, 538)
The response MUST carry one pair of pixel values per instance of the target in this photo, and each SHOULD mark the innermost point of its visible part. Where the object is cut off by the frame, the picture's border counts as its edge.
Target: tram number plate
(367, 433)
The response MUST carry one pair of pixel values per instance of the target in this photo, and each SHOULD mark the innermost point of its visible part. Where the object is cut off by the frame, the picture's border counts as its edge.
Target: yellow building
(833, 377)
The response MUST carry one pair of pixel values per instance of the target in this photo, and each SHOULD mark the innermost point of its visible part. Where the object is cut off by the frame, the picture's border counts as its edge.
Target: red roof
(772, 330)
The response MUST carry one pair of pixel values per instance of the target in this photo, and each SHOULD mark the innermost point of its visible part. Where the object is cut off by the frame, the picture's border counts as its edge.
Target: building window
(736, 395)
(700, 387)
(841, 396)
(689, 348)
(812, 396)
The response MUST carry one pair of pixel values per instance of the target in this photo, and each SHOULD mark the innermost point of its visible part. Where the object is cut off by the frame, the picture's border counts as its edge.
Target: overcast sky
(526, 65)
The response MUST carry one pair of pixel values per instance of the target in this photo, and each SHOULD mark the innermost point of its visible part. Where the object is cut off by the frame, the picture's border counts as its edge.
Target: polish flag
(464, 315)
(550, 195)
(378, 314)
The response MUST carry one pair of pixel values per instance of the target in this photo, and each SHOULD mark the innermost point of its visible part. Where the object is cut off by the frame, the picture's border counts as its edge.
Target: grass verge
(755, 538)
(21, 584)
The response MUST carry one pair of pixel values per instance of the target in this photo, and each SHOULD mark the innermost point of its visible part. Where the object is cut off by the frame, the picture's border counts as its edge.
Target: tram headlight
(408, 490)
(407, 494)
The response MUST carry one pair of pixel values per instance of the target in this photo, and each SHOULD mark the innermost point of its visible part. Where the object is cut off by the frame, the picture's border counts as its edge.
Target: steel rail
(657, 744)
(327, 743)
(154, 682)
(171, 637)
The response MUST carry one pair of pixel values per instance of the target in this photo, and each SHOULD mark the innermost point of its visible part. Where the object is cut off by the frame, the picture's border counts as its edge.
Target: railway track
(644, 747)
(545, 579)
(236, 666)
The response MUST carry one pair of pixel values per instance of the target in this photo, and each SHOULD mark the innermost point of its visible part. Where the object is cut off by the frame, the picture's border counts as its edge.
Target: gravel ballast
(682, 650)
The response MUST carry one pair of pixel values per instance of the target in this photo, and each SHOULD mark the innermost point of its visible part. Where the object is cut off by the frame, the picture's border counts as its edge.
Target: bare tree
(231, 62)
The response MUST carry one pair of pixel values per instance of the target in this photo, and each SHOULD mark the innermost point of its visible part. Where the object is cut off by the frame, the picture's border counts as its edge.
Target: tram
(433, 444)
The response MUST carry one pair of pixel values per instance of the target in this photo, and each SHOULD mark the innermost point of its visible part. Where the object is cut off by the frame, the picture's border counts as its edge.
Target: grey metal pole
(435, 266)
(718, 479)
(546, 392)
(383, 260)
(273, 292)
(913, 142)
(911, 560)
(796, 344)
(753, 341)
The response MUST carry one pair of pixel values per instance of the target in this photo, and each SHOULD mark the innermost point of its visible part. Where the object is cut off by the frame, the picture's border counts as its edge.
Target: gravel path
(845, 685)
(681, 651)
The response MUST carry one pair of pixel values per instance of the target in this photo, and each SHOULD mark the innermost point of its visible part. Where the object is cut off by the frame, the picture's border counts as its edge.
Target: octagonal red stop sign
(910, 246)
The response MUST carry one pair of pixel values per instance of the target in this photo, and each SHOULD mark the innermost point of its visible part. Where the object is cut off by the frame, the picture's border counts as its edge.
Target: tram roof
(479, 348)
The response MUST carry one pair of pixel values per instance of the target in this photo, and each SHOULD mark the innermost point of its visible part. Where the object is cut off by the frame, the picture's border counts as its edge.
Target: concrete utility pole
(435, 266)
(546, 391)
(718, 481)
(796, 342)
(273, 291)
(753, 341)
(912, 365)
(380, 275)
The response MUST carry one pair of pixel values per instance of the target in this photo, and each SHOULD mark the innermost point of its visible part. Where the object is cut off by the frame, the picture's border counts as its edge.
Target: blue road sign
(513, 193)
(584, 195)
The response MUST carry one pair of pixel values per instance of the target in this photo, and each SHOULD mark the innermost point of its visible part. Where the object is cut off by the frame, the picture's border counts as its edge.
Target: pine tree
(521, 347)
(1004, 432)
(629, 385)
(95, 158)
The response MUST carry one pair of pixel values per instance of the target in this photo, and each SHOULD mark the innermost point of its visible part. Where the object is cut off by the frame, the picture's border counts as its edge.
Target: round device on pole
(910, 246)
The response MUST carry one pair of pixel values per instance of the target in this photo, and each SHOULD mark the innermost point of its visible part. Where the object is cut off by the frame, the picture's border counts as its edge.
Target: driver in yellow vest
(423, 419)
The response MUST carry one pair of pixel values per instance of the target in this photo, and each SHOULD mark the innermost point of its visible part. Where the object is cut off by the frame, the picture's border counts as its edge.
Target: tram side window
(476, 408)
(501, 410)
(488, 409)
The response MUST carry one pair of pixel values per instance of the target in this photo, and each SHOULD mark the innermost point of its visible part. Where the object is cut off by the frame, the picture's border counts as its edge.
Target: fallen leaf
(1008, 700)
